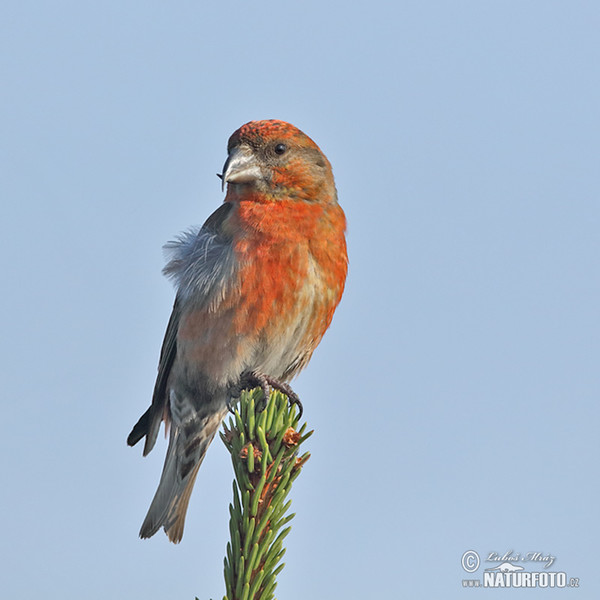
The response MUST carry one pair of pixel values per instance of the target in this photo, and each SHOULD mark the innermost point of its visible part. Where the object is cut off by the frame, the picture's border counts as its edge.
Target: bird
(256, 289)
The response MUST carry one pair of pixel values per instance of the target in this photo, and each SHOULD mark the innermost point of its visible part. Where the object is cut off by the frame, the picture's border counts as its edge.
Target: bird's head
(271, 160)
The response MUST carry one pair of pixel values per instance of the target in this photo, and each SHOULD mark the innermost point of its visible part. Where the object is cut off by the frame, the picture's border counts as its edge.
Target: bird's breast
(286, 287)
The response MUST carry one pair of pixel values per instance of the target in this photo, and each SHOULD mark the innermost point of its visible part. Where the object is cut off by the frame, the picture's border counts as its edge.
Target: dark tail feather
(140, 429)
(147, 426)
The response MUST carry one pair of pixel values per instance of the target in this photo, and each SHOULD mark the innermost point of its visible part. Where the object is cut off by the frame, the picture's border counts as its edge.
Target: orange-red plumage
(257, 287)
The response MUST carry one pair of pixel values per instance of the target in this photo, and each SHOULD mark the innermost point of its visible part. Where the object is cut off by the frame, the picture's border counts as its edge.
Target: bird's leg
(252, 379)
(249, 380)
(255, 379)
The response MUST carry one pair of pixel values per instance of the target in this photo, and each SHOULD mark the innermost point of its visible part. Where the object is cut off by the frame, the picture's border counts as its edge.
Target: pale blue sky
(455, 398)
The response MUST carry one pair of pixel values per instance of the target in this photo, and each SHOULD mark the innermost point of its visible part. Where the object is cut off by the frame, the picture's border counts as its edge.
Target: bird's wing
(149, 423)
(201, 262)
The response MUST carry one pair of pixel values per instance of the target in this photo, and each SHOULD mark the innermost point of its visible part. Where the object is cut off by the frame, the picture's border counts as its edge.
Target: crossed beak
(241, 166)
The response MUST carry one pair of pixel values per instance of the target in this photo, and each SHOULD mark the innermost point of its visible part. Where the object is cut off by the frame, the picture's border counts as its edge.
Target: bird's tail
(189, 440)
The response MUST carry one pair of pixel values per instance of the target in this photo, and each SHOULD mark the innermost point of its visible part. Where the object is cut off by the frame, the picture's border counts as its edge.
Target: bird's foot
(286, 389)
(231, 405)
(252, 379)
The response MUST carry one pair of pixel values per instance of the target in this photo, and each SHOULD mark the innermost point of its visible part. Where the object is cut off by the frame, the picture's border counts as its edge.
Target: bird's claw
(286, 389)
(230, 404)
(252, 379)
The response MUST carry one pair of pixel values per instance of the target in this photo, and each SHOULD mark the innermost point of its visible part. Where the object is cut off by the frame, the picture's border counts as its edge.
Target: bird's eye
(280, 149)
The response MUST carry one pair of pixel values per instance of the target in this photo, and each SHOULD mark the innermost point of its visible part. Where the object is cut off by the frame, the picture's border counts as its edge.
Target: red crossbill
(257, 287)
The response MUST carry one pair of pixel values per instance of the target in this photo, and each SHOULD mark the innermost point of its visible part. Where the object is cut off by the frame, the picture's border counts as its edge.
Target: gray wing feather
(201, 264)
